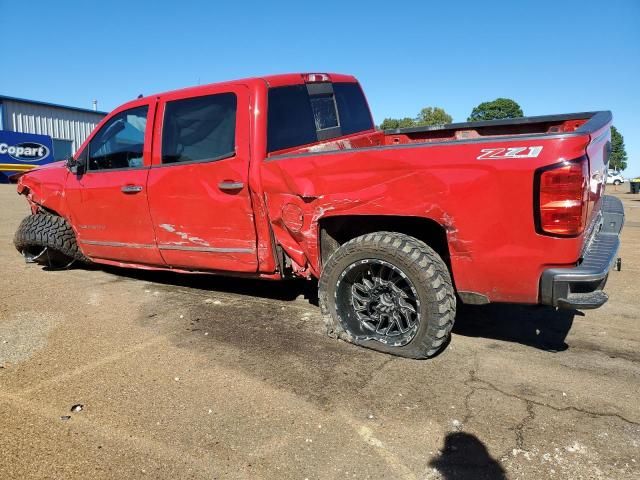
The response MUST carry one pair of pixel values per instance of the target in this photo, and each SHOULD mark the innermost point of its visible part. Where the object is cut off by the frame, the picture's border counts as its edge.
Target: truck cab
(179, 165)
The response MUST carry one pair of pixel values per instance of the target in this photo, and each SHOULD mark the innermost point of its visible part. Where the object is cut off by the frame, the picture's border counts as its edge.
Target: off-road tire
(421, 264)
(45, 230)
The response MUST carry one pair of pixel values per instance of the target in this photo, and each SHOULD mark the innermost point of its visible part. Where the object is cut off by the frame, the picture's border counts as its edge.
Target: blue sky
(550, 56)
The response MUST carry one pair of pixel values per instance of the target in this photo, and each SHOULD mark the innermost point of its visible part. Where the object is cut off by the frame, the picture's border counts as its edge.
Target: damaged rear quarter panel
(341, 184)
(484, 206)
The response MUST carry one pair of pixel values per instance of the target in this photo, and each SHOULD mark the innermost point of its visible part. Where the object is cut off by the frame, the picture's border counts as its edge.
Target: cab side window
(120, 142)
(199, 129)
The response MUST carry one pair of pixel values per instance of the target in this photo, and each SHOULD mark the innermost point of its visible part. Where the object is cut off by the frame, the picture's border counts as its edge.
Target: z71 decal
(509, 152)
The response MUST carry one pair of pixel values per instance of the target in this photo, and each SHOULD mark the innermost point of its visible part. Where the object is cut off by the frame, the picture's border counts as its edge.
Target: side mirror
(75, 166)
(72, 165)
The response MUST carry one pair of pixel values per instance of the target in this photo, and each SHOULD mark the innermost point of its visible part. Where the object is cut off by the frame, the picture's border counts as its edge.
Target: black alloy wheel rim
(376, 300)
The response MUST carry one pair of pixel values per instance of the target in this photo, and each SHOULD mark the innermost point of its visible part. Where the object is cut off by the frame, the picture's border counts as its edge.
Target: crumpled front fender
(44, 187)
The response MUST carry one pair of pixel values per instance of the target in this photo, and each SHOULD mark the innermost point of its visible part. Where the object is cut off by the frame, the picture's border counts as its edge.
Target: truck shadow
(287, 290)
(536, 326)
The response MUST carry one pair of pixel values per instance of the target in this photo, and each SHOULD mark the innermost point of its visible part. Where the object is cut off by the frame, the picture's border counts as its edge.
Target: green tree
(433, 116)
(499, 108)
(427, 116)
(393, 123)
(618, 157)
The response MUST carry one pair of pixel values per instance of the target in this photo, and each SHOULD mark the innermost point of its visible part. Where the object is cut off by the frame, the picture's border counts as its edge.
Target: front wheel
(48, 240)
(389, 292)
(617, 182)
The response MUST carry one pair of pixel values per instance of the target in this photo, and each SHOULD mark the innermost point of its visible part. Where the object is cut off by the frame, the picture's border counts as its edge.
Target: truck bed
(542, 127)
(583, 122)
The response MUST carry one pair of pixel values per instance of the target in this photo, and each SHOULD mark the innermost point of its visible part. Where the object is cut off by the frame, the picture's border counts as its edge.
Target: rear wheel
(48, 240)
(389, 292)
(617, 182)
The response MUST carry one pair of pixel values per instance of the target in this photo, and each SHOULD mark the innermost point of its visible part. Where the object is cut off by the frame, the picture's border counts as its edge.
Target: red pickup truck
(286, 175)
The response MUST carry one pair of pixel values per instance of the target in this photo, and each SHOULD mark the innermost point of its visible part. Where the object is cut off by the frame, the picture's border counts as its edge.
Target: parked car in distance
(614, 177)
(286, 176)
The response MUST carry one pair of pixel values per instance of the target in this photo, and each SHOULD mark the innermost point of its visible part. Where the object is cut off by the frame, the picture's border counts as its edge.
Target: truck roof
(271, 81)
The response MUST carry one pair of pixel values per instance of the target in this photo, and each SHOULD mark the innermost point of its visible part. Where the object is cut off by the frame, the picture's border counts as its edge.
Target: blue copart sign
(20, 152)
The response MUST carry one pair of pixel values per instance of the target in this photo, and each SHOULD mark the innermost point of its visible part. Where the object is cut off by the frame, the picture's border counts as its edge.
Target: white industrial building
(67, 126)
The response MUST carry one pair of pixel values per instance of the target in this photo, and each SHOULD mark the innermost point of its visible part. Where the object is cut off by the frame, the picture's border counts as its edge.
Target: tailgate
(598, 151)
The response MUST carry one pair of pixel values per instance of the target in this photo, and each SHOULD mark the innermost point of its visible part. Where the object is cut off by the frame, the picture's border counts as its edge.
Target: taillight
(562, 193)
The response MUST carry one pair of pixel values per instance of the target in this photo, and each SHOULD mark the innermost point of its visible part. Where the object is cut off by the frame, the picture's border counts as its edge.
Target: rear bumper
(581, 287)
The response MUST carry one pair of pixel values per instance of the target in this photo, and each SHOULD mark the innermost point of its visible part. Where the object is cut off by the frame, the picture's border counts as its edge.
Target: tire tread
(46, 230)
(435, 276)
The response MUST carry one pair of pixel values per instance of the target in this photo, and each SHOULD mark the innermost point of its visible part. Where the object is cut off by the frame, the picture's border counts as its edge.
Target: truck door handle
(229, 185)
(131, 189)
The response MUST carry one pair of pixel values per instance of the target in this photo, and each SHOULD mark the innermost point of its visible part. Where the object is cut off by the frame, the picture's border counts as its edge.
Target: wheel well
(36, 205)
(335, 231)
(48, 210)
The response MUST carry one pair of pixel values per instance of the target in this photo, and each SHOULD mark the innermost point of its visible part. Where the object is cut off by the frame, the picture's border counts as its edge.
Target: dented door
(198, 184)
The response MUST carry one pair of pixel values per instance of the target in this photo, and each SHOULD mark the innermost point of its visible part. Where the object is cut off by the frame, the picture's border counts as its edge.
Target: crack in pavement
(553, 407)
(530, 404)
(468, 415)
(519, 428)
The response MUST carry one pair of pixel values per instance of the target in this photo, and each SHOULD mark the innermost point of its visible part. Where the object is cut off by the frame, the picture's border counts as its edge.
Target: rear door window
(199, 129)
(303, 114)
